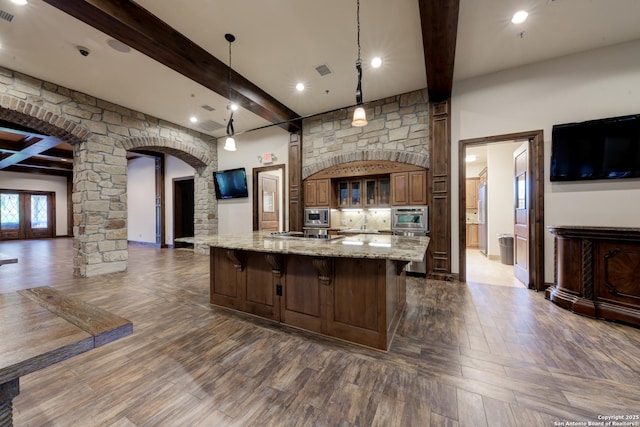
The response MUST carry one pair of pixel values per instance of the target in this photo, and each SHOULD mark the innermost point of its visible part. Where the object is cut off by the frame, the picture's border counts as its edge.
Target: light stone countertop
(380, 246)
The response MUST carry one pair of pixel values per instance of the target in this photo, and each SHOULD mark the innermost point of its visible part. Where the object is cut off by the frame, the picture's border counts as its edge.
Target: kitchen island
(350, 288)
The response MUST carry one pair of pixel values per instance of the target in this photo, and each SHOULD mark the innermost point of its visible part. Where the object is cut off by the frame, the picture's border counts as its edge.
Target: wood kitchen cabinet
(360, 300)
(409, 188)
(471, 191)
(472, 235)
(350, 193)
(377, 192)
(317, 193)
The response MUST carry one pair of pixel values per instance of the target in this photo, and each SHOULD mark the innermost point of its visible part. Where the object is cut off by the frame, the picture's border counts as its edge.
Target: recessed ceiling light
(300, 87)
(519, 17)
(193, 119)
(376, 62)
(233, 107)
(470, 158)
(20, 2)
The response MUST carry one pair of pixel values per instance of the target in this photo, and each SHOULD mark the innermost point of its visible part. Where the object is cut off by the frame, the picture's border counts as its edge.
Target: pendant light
(359, 115)
(230, 143)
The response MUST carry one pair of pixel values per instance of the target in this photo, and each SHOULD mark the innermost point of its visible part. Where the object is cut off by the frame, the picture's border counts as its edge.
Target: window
(9, 211)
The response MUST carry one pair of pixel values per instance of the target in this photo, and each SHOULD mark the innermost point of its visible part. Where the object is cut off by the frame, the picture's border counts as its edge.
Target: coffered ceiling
(178, 56)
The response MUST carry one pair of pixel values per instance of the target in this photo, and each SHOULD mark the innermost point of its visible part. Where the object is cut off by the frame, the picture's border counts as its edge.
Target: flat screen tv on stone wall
(231, 184)
(596, 149)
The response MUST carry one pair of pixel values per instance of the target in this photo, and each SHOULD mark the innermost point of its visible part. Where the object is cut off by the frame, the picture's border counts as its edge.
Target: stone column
(205, 215)
(99, 207)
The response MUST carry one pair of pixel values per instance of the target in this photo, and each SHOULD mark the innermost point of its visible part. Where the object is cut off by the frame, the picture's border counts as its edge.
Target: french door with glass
(26, 215)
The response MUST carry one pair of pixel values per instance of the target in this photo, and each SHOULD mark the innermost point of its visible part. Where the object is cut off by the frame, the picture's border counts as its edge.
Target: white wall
(236, 215)
(141, 194)
(473, 169)
(173, 168)
(57, 184)
(596, 84)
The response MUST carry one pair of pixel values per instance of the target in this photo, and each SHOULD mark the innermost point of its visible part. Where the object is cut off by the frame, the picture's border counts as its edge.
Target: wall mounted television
(231, 183)
(596, 149)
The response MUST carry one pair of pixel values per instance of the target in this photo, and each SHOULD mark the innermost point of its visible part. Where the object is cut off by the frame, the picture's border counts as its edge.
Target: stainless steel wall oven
(411, 221)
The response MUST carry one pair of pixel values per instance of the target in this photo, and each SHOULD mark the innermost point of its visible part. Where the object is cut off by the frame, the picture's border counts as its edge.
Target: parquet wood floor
(464, 355)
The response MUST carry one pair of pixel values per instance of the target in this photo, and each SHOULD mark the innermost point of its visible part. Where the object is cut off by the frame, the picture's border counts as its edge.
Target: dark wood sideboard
(597, 272)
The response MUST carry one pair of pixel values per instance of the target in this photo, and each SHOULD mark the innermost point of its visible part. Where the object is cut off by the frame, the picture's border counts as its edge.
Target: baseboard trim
(152, 244)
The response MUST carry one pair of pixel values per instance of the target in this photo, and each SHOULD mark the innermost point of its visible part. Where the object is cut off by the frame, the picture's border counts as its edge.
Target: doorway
(26, 215)
(268, 198)
(490, 214)
(534, 201)
(183, 208)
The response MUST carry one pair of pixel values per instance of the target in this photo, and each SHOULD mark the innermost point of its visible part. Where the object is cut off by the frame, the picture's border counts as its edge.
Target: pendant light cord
(230, 130)
(358, 61)
(229, 71)
(358, 21)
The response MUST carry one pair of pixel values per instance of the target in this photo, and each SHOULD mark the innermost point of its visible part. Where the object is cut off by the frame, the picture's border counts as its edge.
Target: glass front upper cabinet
(356, 193)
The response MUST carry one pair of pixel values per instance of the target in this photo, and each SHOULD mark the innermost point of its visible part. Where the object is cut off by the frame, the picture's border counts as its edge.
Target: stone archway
(40, 119)
(100, 133)
(204, 164)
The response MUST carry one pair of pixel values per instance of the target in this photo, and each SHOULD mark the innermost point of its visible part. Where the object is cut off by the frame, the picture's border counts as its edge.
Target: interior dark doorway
(183, 209)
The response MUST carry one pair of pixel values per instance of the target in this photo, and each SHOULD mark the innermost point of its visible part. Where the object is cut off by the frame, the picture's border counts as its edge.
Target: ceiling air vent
(208, 107)
(323, 69)
(6, 16)
(210, 125)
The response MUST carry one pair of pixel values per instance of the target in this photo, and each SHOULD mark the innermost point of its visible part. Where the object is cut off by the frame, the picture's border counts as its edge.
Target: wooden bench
(7, 259)
(42, 326)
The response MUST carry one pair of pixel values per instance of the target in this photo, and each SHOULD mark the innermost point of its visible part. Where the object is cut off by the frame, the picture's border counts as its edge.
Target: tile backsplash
(375, 219)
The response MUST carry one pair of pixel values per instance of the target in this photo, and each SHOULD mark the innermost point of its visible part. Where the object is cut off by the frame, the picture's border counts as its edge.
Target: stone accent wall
(101, 133)
(398, 130)
(205, 218)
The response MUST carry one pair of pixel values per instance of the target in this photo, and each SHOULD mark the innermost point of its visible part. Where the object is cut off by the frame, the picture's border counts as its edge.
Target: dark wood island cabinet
(350, 288)
(597, 272)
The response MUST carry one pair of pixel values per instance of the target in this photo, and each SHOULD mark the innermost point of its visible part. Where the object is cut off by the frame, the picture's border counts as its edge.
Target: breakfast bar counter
(366, 245)
(350, 288)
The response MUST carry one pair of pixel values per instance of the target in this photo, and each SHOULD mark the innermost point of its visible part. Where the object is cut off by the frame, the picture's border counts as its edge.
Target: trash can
(506, 248)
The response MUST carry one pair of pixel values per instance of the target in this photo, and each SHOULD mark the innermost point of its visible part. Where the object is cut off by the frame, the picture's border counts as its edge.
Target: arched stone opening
(204, 164)
(100, 134)
(43, 121)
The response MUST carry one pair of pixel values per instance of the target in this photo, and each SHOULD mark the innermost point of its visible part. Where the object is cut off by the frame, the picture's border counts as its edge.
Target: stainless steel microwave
(317, 217)
(410, 218)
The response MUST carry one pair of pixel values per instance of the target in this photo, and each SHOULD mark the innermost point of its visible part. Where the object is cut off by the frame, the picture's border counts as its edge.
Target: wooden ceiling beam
(32, 150)
(58, 153)
(39, 171)
(439, 19)
(46, 164)
(10, 146)
(131, 24)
